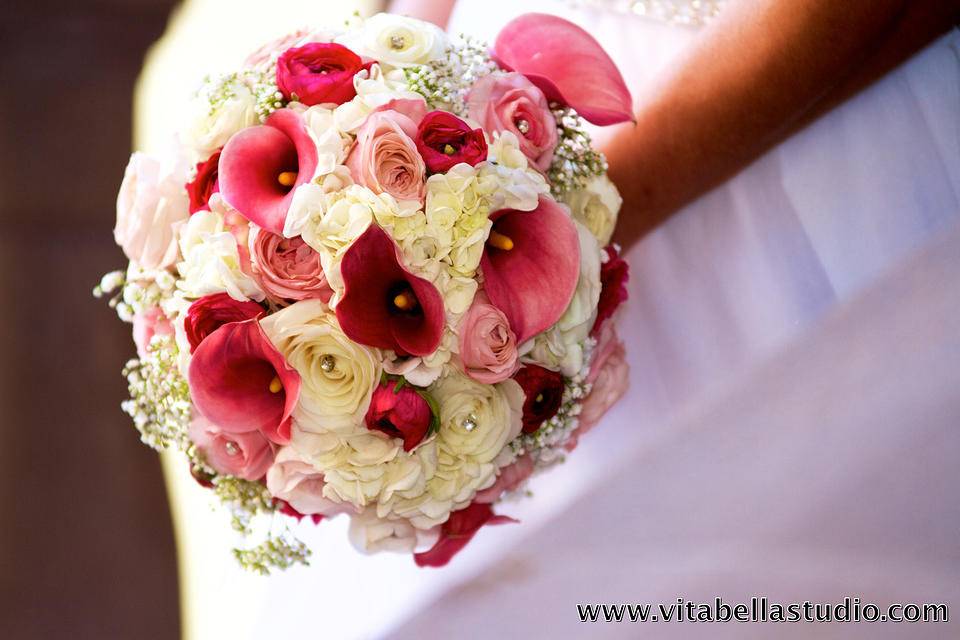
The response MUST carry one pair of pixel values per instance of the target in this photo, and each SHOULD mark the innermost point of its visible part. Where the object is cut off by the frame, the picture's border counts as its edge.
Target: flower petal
(546, 249)
(252, 161)
(568, 65)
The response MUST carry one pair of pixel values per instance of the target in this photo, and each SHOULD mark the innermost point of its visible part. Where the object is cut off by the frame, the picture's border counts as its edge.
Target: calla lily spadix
(383, 304)
(530, 266)
(241, 383)
(261, 166)
(567, 64)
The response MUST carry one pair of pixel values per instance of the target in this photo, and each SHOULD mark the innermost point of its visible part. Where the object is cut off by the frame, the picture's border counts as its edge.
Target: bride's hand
(759, 72)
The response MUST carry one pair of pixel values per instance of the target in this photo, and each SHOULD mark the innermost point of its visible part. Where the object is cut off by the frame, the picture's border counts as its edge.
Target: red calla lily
(240, 382)
(383, 304)
(532, 281)
(456, 532)
(568, 65)
(261, 166)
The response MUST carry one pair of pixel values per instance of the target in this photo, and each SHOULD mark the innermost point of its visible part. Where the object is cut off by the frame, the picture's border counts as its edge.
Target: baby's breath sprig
(277, 552)
(574, 159)
(265, 90)
(445, 82)
(244, 498)
(159, 396)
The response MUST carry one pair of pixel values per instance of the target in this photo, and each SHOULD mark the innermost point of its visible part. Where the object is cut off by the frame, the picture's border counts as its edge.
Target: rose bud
(400, 412)
(444, 140)
(205, 184)
(209, 313)
(318, 73)
(614, 274)
(544, 394)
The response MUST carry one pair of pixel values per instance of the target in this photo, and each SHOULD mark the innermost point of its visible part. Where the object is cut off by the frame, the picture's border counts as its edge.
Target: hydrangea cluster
(336, 284)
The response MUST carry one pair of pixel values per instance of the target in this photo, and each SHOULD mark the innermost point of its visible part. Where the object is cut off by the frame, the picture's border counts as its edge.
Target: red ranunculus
(456, 532)
(400, 412)
(544, 394)
(318, 73)
(209, 313)
(287, 509)
(614, 274)
(444, 140)
(205, 184)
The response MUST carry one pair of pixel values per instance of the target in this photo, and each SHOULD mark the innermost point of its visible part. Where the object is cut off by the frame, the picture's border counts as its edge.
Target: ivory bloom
(218, 111)
(211, 260)
(596, 206)
(397, 40)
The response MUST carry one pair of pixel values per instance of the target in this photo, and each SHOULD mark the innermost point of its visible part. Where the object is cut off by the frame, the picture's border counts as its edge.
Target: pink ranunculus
(151, 202)
(287, 268)
(488, 346)
(245, 455)
(147, 324)
(318, 73)
(385, 156)
(444, 140)
(400, 412)
(241, 383)
(299, 484)
(510, 102)
(457, 531)
(610, 377)
(209, 313)
(509, 479)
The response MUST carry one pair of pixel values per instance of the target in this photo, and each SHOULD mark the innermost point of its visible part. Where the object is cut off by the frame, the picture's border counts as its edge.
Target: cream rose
(397, 40)
(477, 420)
(370, 534)
(211, 260)
(337, 375)
(220, 109)
(152, 201)
(596, 206)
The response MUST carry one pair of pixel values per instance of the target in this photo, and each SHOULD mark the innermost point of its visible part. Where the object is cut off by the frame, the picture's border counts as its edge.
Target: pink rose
(510, 102)
(245, 455)
(610, 377)
(287, 268)
(300, 485)
(509, 479)
(150, 323)
(150, 203)
(488, 347)
(385, 156)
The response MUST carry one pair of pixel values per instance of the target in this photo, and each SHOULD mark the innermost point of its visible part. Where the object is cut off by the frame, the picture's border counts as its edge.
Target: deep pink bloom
(374, 282)
(614, 274)
(543, 390)
(205, 184)
(318, 73)
(240, 382)
(444, 140)
(545, 249)
(287, 509)
(400, 413)
(245, 455)
(261, 166)
(456, 532)
(568, 64)
(209, 313)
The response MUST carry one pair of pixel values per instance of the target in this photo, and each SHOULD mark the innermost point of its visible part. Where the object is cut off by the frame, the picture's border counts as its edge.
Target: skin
(758, 73)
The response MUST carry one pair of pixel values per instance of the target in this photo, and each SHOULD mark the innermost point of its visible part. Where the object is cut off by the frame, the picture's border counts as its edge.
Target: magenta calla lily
(567, 64)
(383, 304)
(241, 383)
(531, 265)
(261, 166)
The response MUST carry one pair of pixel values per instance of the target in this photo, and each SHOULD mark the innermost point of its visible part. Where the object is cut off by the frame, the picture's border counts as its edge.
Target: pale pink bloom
(610, 377)
(488, 347)
(245, 455)
(287, 268)
(510, 478)
(151, 202)
(510, 102)
(147, 324)
(300, 485)
(385, 157)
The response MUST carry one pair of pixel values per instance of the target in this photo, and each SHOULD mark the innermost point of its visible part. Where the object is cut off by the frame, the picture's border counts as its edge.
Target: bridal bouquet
(374, 279)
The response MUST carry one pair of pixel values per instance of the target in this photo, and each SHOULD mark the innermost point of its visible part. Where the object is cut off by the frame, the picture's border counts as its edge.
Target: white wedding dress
(730, 281)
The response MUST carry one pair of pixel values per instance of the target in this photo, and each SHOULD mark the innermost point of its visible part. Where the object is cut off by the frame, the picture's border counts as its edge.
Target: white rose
(374, 89)
(211, 260)
(221, 108)
(477, 420)
(597, 206)
(151, 202)
(397, 40)
(337, 375)
(309, 199)
(369, 534)
(331, 146)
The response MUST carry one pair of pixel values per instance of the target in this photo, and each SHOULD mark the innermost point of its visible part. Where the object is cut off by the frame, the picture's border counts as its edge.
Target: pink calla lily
(261, 166)
(531, 265)
(567, 64)
(383, 304)
(241, 383)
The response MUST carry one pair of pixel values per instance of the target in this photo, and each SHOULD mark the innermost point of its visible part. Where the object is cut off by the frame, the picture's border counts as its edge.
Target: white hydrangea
(374, 89)
(211, 260)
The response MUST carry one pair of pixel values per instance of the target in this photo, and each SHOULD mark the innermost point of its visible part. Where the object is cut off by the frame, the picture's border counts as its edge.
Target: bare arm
(764, 69)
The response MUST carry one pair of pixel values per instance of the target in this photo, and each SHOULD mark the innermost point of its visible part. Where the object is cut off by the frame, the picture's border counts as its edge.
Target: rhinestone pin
(231, 448)
(398, 43)
(328, 363)
(523, 126)
(470, 422)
